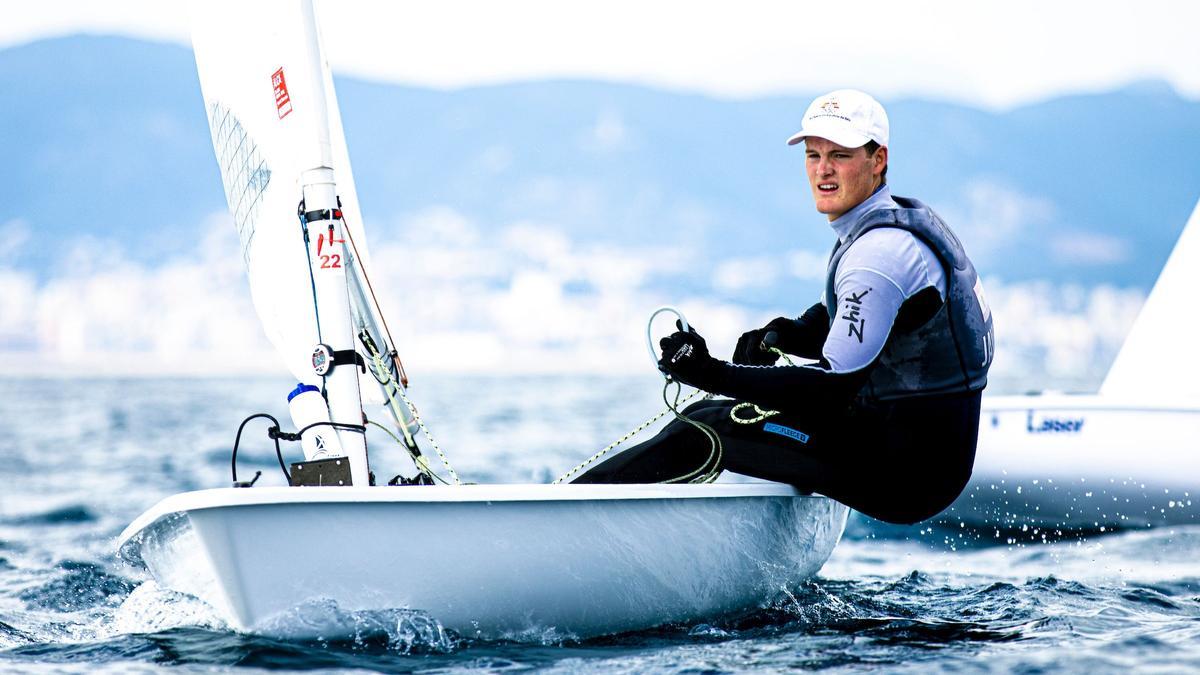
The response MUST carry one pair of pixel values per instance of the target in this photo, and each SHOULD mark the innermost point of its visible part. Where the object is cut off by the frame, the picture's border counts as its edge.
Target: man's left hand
(685, 357)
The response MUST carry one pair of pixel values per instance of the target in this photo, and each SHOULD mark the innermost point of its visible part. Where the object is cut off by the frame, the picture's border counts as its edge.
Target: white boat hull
(1056, 462)
(488, 561)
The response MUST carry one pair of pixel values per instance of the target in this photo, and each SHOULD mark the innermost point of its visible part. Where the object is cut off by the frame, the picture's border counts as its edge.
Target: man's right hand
(750, 350)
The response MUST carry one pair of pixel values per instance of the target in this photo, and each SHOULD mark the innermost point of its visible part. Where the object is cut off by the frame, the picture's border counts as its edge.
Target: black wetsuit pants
(900, 461)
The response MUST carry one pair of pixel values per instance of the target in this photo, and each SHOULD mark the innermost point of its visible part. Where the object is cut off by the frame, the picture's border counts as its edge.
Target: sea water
(79, 459)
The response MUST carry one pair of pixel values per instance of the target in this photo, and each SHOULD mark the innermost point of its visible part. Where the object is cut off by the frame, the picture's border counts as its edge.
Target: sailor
(884, 412)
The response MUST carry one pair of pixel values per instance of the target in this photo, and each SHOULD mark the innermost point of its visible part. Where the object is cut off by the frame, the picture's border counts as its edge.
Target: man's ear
(881, 158)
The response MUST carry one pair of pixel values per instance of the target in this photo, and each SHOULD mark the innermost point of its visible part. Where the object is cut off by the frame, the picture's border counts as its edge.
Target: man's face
(841, 178)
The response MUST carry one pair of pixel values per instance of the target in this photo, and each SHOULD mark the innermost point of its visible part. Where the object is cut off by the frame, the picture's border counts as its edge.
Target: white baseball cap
(847, 117)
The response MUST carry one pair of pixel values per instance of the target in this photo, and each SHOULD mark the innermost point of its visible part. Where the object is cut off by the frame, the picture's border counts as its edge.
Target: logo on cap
(830, 105)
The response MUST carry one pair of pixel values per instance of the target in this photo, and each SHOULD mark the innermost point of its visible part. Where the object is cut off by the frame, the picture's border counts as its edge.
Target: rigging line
(388, 386)
(370, 288)
(708, 477)
(636, 430)
(759, 414)
(391, 391)
(272, 433)
(422, 465)
(716, 449)
(311, 278)
(436, 448)
(356, 428)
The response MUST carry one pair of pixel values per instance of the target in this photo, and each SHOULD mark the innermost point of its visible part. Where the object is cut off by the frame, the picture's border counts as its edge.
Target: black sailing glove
(750, 350)
(804, 337)
(685, 357)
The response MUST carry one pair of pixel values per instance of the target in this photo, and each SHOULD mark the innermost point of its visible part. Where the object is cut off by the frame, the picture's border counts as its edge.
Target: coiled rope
(704, 473)
(634, 432)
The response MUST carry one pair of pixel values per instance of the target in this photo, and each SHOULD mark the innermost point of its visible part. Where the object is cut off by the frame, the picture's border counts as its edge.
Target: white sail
(1155, 359)
(250, 67)
(278, 136)
(273, 111)
(261, 91)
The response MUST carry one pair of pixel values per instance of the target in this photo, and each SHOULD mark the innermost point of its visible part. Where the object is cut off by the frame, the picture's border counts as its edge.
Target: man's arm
(868, 302)
(803, 336)
(787, 388)
(811, 330)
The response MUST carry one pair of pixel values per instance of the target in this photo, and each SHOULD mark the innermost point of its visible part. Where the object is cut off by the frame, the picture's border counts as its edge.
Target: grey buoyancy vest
(953, 350)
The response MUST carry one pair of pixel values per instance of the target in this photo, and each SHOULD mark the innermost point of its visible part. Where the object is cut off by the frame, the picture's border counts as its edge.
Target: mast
(327, 258)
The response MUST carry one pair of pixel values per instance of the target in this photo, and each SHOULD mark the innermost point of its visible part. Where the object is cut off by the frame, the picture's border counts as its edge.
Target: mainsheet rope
(700, 475)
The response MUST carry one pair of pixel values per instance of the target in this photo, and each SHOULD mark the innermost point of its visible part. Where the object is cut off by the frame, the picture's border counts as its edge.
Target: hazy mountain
(531, 227)
(106, 137)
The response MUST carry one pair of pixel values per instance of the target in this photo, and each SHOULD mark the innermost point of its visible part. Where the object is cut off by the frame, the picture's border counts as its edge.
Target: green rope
(390, 386)
(759, 413)
(436, 448)
(422, 465)
(699, 475)
(641, 427)
(714, 439)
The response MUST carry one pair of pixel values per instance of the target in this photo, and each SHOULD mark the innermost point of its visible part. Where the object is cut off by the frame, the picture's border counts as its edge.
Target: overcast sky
(994, 54)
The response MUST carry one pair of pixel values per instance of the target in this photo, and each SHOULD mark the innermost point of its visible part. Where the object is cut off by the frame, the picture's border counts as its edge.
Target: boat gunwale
(215, 498)
(1058, 401)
